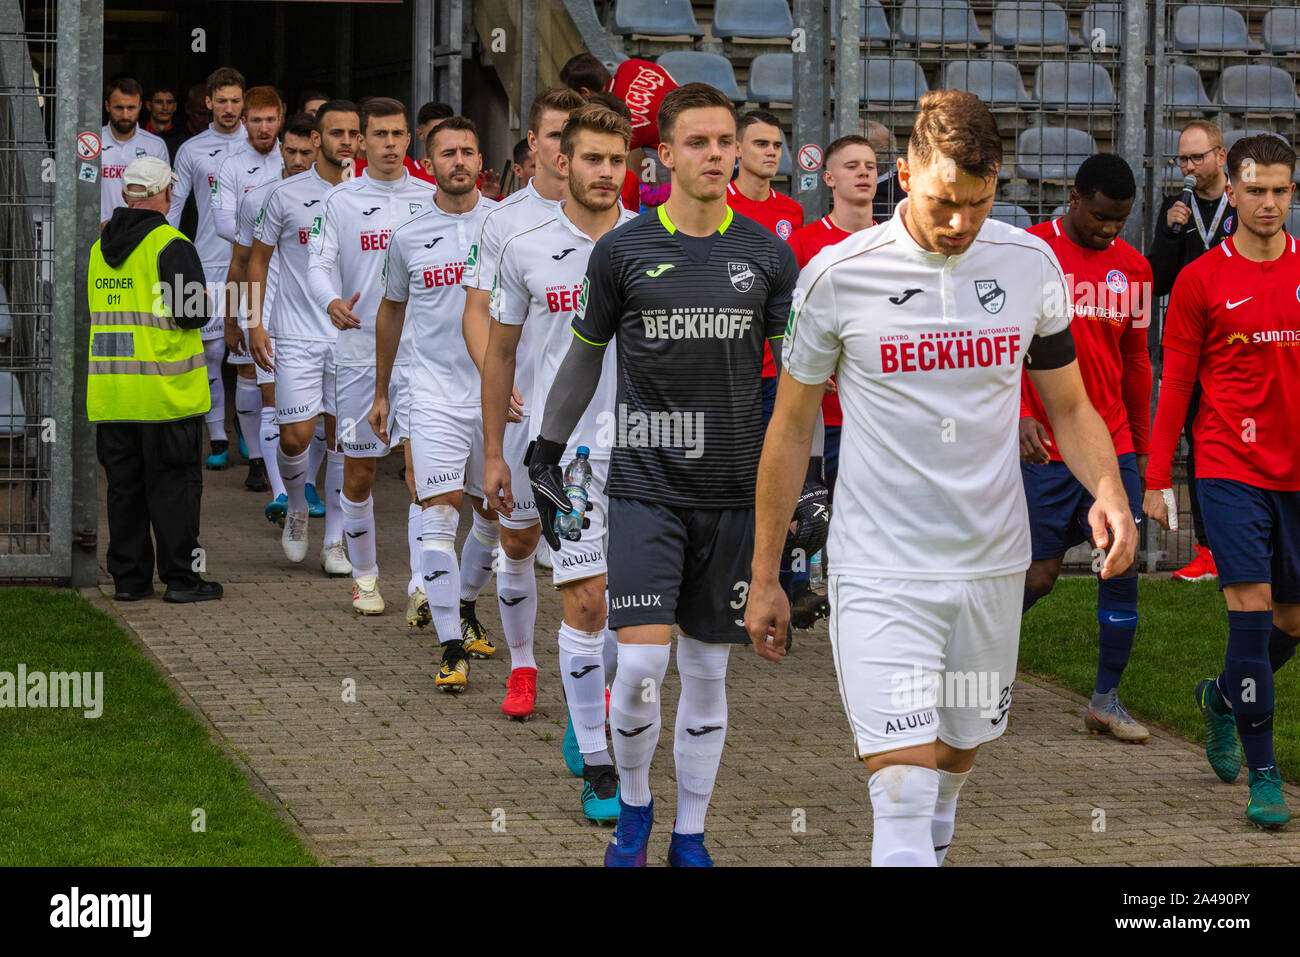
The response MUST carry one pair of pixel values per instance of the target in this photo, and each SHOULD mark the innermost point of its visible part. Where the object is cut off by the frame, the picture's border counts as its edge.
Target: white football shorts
(441, 440)
(354, 394)
(918, 661)
(304, 379)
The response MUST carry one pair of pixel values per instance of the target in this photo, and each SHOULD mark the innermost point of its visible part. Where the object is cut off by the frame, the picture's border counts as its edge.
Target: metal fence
(49, 51)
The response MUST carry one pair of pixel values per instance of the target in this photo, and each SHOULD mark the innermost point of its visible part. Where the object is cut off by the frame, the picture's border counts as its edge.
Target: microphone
(1189, 184)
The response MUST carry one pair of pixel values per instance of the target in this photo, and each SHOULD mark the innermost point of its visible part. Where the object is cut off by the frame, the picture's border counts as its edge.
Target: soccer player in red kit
(1110, 287)
(1233, 326)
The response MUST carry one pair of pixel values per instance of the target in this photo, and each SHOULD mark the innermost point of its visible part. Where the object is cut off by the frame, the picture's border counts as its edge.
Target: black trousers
(155, 479)
(1194, 500)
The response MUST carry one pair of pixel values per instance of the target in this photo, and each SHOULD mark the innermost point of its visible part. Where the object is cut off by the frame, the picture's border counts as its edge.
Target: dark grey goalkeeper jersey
(690, 315)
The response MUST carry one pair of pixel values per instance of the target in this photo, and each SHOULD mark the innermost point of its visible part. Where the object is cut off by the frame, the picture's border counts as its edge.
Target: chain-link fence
(27, 102)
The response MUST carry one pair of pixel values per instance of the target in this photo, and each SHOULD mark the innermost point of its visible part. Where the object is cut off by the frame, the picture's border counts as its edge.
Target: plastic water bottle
(816, 573)
(577, 479)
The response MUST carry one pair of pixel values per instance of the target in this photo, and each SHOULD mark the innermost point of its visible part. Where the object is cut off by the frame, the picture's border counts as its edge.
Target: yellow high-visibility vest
(143, 366)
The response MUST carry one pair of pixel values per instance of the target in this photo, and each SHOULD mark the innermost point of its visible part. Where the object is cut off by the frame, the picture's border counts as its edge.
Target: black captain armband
(1050, 352)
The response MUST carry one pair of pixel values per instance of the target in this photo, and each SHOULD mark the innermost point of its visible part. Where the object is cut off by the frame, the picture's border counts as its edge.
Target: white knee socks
(414, 532)
(582, 669)
(333, 497)
(635, 718)
(945, 812)
(293, 469)
(214, 350)
(316, 451)
(903, 799)
(269, 437)
(476, 556)
(439, 571)
(248, 408)
(517, 602)
(359, 534)
(701, 728)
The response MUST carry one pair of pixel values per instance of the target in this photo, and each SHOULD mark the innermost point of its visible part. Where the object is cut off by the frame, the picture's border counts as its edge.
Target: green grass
(119, 789)
(1182, 636)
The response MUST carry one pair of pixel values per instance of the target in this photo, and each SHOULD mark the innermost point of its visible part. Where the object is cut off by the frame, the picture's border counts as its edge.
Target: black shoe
(203, 591)
(256, 481)
(808, 608)
(133, 595)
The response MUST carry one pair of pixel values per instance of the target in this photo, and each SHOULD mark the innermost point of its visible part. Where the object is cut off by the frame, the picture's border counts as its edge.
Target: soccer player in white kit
(197, 162)
(924, 321)
(519, 532)
(302, 356)
(122, 142)
(298, 153)
(258, 161)
(347, 259)
(539, 279)
(426, 259)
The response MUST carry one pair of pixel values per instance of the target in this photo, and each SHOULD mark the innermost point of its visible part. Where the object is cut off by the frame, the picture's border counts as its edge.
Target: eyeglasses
(1194, 159)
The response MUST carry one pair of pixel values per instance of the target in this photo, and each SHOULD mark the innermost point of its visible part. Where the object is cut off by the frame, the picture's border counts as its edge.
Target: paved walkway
(409, 775)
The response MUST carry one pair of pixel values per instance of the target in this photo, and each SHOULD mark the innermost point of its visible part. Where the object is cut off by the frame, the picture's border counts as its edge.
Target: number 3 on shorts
(739, 601)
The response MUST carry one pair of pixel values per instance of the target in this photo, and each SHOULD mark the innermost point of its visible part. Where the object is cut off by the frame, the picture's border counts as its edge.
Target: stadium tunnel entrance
(345, 49)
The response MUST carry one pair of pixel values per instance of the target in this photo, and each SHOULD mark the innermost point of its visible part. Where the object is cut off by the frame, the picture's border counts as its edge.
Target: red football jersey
(782, 215)
(631, 193)
(642, 85)
(1233, 325)
(807, 242)
(1110, 291)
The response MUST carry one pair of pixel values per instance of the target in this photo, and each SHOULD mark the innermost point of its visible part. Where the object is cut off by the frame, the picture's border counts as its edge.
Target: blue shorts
(1254, 534)
(1059, 504)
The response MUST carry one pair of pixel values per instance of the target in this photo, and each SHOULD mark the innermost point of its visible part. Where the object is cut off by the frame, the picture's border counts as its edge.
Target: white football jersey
(247, 216)
(292, 210)
(115, 157)
(539, 277)
(927, 351)
(244, 169)
(197, 162)
(360, 216)
(426, 260)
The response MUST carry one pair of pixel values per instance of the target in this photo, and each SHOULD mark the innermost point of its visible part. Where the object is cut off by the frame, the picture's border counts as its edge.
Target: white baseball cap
(150, 174)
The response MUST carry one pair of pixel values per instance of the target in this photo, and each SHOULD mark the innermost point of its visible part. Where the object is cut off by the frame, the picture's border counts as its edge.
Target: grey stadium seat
(1053, 154)
(1282, 30)
(1058, 212)
(1013, 214)
(1106, 16)
(1293, 220)
(6, 317)
(12, 415)
(875, 28)
(783, 168)
(1256, 88)
(771, 78)
(1184, 90)
(939, 21)
(1207, 28)
(898, 83)
(654, 18)
(1073, 85)
(752, 19)
(1170, 174)
(691, 66)
(1032, 23)
(996, 82)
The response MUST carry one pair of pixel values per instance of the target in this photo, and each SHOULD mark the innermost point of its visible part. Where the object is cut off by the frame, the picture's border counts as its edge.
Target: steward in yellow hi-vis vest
(147, 390)
(143, 366)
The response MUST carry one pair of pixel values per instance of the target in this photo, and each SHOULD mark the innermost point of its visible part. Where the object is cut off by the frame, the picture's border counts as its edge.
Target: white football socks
(476, 556)
(701, 728)
(414, 532)
(903, 799)
(293, 469)
(333, 497)
(582, 669)
(439, 571)
(359, 533)
(270, 439)
(248, 409)
(517, 602)
(316, 451)
(214, 350)
(945, 812)
(634, 716)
